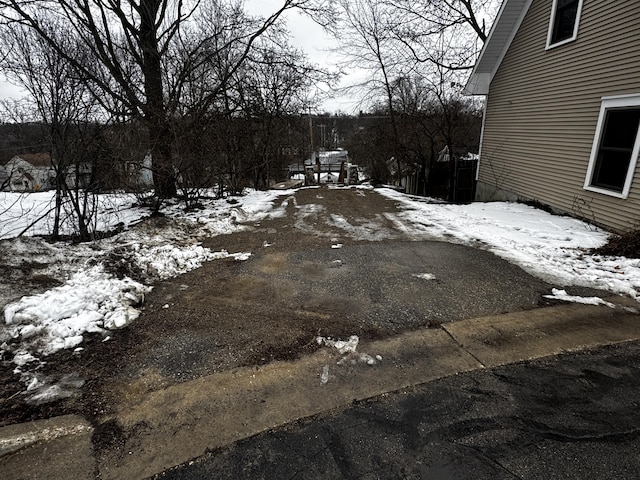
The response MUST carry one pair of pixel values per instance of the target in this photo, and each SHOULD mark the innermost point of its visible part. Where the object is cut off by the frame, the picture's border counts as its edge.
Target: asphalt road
(574, 416)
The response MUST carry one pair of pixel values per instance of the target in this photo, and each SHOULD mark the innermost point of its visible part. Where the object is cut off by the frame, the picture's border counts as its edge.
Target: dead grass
(625, 245)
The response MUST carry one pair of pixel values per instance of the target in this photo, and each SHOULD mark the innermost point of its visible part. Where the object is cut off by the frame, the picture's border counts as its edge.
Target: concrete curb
(47, 449)
(531, 334)
(185, 421)
(15, 437)
(182, 422)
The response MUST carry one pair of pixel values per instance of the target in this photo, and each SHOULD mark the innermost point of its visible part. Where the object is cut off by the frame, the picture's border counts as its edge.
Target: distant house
(30, 172)
(33, 172)
(79, 175)
(443, 155)
(562, 86)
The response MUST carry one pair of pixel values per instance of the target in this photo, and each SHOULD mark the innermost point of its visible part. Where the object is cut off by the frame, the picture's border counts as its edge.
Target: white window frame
(552, 22)
(608, 103)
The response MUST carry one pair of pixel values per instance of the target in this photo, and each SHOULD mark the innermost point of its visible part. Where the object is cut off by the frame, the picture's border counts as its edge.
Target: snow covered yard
(96, 293)
(551, 247)
(101, 285)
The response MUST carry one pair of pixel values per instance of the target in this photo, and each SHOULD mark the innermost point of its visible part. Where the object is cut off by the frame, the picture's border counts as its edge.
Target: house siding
(543, 107)
(24, 176)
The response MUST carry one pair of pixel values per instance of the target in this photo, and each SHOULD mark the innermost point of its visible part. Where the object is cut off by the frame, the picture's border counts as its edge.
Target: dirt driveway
(335, 265)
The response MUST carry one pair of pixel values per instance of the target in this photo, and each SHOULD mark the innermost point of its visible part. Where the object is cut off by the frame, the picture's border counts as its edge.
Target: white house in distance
(30, 172)
(34, 172)
(562, 86)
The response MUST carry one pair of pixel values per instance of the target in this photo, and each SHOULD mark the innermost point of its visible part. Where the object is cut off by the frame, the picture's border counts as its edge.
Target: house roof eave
(478, 84)
(502, 32)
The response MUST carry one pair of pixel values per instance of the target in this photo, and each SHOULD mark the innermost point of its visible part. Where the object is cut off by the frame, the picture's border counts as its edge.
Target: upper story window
(615, 147)
(565, 17)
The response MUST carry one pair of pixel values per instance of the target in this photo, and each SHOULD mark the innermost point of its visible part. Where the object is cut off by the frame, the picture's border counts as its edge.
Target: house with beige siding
(562, 86)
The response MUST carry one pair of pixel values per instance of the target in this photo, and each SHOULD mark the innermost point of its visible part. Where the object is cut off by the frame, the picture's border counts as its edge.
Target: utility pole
(310, 129)
(323, 129)
(312, 153)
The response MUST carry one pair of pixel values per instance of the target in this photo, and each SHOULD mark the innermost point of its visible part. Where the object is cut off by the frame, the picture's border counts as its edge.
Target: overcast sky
(305, 32)
(8, 90)
(311, 38)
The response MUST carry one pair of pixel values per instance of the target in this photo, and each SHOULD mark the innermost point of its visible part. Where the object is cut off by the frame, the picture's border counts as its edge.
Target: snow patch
(241, 257)
(92, 298)
(43, 390)
(551, 247)
(343, 346)
(89, 302)
(425, 276)
(559, 294)
(348, 350)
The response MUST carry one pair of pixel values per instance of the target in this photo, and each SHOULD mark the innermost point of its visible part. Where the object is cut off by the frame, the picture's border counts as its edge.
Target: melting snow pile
(91, 301)
(153, 263)
(558, 294)
(95, 299)
(348, 350)
(551, 247)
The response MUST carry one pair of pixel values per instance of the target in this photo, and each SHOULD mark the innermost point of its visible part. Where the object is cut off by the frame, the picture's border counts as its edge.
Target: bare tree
(127, 54)
(391, 39)
(443, 33)
(278, 85)
(67, 110)
(436, 117)
(245, 118)
(414, 55)
(366, 32)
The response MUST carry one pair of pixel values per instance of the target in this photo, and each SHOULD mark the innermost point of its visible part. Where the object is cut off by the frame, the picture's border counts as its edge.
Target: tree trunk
(156, 116)
(164, 178)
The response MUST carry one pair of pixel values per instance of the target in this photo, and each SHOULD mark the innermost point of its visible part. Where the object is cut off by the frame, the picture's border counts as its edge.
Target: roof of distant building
(36, 159)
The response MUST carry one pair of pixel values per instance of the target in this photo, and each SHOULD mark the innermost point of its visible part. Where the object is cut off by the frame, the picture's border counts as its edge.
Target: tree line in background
(211, 94)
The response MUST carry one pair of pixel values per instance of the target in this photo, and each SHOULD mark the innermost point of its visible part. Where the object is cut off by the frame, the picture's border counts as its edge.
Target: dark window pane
(616, 147)
(621, 127)
(564, 20)
(611, 170)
